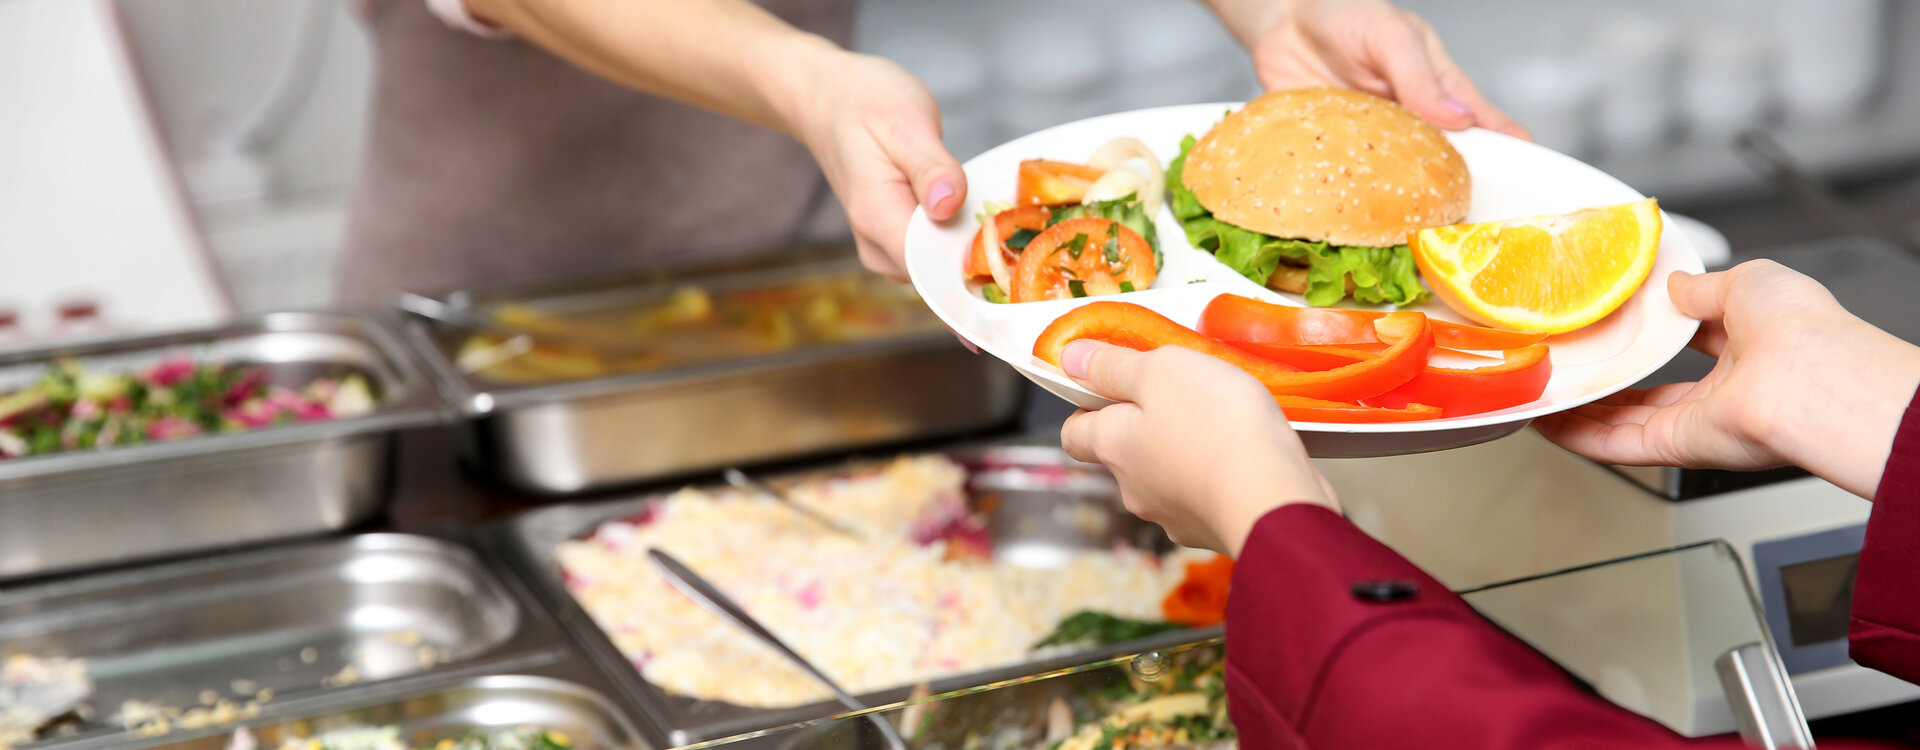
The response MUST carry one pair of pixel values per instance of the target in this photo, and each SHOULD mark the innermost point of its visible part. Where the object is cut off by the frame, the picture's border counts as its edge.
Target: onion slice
(996, 260)
(1116, 183)
(1118, 154)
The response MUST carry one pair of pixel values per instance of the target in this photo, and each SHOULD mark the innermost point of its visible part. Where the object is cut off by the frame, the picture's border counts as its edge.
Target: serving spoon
(744, 483)
(720, 605)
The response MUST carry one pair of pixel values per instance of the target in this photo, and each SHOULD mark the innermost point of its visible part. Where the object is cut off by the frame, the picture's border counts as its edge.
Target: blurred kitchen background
(172, 163)
(184, 160)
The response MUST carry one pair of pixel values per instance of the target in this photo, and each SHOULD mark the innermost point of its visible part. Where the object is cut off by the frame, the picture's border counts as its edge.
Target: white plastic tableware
(1511, 178)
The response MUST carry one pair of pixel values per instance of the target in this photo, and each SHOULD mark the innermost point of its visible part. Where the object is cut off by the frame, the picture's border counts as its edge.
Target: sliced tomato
(1082, 258)
(1232, 317)
(1521, 378)
(1006, 223)
(1054, 183)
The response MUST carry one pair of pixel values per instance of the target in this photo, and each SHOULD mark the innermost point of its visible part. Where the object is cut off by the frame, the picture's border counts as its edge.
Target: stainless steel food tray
(582, 435)
(1047, 505)
(430, 714)
(303, 620)
(83, 508)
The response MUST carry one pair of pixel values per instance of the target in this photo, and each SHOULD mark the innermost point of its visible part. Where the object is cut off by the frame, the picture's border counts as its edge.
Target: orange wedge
(1545, 273)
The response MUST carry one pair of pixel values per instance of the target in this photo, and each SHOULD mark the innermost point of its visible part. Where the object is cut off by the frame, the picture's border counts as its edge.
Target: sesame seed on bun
(1329, 164)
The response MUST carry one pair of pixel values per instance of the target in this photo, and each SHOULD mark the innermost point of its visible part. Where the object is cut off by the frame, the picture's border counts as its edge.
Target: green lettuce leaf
(1380, 275)
(1089, 628)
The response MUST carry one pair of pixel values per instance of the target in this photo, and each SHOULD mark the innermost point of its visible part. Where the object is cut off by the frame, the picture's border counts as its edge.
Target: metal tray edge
(475, 397)
(537, 644)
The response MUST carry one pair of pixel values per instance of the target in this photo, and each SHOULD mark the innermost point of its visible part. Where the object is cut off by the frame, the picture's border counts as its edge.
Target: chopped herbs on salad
(74, 408)
(1061, 211)
(1187, 711)
(1113, 256)
(1087, 629)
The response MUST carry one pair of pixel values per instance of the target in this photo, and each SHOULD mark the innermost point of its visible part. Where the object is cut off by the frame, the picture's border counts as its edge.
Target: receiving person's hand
(1198, 445)
(875, 129)
(1799, 380)
(1368, 45)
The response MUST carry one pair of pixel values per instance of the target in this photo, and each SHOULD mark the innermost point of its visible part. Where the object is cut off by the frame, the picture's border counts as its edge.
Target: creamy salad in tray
(916, 598)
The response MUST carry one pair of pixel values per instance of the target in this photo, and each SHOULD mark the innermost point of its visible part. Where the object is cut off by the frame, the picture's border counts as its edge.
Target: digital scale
(1800, 540)
(1521, 506)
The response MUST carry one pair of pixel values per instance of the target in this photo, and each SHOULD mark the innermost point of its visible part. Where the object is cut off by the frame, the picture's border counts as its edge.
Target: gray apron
(489, 162)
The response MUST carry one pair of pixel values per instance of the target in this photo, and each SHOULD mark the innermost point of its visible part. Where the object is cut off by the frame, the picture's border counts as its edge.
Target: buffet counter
(487, 593)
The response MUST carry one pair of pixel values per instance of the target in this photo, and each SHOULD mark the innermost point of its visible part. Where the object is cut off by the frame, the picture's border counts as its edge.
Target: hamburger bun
(1328, 164)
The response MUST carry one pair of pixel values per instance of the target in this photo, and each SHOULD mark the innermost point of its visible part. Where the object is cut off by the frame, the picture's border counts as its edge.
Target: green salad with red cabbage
(72, 408)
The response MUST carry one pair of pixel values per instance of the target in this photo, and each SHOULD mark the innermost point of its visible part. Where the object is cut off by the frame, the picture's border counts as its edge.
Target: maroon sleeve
(1335, 641)
(1885, 632)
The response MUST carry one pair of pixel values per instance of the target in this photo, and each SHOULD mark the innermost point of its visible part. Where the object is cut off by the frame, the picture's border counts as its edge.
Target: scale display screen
(1819, 597)
(1806, 586)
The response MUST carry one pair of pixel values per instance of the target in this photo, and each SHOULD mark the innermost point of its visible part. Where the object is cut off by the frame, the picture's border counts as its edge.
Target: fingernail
(963, 340)
(941, 191)
(1073, 359)
(1458, 106)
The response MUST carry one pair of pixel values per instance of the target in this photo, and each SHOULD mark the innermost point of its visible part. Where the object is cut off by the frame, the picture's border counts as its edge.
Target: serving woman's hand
(1799, 380)
(1368, 45)
(1198, 446)
(875, 129)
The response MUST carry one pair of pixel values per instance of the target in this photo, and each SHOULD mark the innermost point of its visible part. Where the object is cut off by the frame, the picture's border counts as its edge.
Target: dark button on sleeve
(1389, 590)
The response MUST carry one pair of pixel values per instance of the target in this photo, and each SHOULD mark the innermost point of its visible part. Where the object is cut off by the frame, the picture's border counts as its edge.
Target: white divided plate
(1511, 178)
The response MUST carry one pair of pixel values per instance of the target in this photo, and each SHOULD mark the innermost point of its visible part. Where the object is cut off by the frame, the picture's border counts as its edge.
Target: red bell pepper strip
(1521, 377)
(1518, 380)
(1329, 357)
(1300, 409)
(1135, 327)
(1312, 358)
(1231, 317)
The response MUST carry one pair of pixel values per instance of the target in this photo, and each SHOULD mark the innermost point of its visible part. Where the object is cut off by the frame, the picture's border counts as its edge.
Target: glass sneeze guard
(1674, 635)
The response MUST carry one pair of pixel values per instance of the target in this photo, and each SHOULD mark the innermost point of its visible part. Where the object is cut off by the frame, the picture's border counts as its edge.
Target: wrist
(1842, 423)
(1251, 20)
(794, 69)
(1238, 513)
